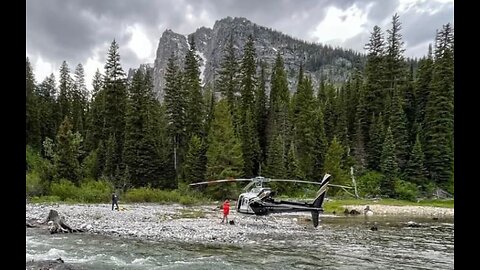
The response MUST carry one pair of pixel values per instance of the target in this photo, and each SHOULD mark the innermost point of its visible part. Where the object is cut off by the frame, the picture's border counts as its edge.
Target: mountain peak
(232, 20)
(319, 61)
(169, 32)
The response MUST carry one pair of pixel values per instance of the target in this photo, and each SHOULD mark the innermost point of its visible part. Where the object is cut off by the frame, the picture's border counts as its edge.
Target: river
(338, 243)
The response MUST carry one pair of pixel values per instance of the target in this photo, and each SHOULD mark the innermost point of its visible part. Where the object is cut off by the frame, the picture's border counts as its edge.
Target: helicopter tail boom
(318, 202)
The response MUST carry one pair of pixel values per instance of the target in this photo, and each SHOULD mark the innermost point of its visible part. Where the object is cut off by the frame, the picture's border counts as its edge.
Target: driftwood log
(55, 224)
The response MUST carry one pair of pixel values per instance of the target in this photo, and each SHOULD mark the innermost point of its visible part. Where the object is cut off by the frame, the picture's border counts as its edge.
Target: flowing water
(338, 243)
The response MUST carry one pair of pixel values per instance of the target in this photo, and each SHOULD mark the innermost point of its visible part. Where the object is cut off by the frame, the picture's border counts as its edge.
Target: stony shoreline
(414, 211)
(198, 223)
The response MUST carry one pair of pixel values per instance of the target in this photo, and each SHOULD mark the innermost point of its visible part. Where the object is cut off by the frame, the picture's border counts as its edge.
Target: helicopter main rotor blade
(291, 180)
(306, 182)
(219, 181)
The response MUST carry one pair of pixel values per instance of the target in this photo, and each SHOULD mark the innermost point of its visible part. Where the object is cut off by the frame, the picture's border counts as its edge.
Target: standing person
(226, 210)
(115, 201)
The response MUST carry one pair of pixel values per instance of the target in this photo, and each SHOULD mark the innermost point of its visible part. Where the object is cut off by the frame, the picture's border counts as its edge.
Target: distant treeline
(388, 124)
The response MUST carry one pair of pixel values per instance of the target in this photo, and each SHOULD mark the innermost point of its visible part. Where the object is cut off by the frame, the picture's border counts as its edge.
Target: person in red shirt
(226, 210)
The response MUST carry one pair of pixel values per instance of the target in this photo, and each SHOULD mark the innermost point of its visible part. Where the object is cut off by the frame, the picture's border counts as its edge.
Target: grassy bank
(337, 205)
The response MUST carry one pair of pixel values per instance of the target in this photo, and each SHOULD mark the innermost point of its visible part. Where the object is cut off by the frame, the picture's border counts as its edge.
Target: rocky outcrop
(169, 42)
(319, 61)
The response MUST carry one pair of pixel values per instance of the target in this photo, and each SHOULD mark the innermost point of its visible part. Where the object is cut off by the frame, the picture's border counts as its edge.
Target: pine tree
(111, 158)
(279, 104)
(322, 93)
(320, 147)
(388, 164)
(387, 110)
(375, 93)
(296, 105)
(194, 109)
(100, 160)
(176, 105)
(140, 153)
(395, 67)
(165, 148)
(96, 114)
(65, 88)
(247, 77)
(410, 103)
(47, 103)
(250, 147)
(194, 168)
(333, 162)
(304, 126)
(79, 99)
(398, 122)
(250, 144)
(126, 179)
(115, 100)
(358, 148)
(329, 113)
(32, 114)
(352, 95)
(361, 112)
(415, 169)
(261, 114)
(275, 163)
(224, 153)
(439, 120)
(209, 101)
(376, 141)
(228, 79)
(66, 164)
(423, 86)
(293, 164)
(341, 122)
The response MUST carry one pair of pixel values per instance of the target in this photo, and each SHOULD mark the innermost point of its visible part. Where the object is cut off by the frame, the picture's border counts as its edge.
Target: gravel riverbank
(414, 211)
(197, 223)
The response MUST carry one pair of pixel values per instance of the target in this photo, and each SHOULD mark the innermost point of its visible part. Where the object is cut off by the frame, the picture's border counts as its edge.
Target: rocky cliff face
(318, 60)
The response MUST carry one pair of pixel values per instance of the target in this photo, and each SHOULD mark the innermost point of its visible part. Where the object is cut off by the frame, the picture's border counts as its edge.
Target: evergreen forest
(390, 125)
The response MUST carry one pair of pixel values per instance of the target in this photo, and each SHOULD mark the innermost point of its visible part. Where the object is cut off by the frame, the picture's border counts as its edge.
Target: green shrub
(34, 185)
(64, 189)
(147, 194)
(35, 163)
(187, 200)
(139, 195)
(92, 191)
(90, 166)
(406, 190)
(32, 158)
(368, 185)
(451, 186)
(427, 190)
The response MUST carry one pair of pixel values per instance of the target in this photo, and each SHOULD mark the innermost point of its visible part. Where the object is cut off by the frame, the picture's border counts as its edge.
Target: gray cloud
(74, 30)
(417, 29)
(382, 10)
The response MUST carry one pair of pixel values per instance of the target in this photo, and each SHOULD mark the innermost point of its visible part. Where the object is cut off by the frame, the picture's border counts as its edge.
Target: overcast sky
(80, 31)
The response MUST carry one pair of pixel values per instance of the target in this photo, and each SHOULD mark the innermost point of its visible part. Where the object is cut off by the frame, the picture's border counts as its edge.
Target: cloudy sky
(80, 31)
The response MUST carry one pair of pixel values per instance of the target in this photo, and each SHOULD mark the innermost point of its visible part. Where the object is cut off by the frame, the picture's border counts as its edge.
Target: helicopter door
(239, 203)
(243, 204)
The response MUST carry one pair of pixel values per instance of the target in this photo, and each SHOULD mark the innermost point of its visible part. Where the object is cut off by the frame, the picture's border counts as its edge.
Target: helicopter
(258, 200)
